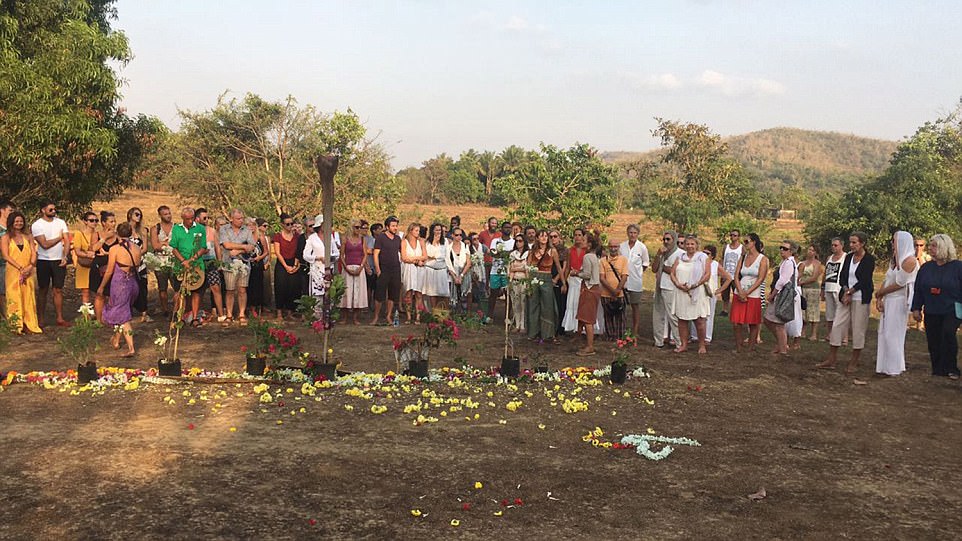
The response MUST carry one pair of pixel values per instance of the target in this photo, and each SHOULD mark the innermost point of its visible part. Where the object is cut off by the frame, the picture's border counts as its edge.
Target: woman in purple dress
(122, 262)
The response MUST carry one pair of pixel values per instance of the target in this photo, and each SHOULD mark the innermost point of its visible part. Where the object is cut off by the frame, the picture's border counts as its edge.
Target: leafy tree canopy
(920, 192)
(562, 188)
(61, 133)
(696, 182)
(258, 155)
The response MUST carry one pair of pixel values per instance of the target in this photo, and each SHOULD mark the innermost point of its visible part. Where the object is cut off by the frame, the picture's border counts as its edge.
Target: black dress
(255, 286)
(140, 304)
(99, 267)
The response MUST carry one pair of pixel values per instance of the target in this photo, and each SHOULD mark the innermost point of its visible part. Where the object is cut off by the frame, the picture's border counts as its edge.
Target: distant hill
(815, 160)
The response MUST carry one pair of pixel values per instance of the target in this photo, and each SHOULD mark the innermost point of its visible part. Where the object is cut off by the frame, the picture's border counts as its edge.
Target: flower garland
(642, 444)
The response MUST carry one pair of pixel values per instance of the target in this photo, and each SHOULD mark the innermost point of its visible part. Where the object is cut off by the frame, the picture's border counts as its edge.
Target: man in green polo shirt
(188, 242)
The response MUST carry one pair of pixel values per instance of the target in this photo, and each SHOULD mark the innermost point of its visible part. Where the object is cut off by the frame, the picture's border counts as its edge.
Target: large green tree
(258, 155)
(697, 182)
(920, 192)
(61, 133)
(562, 188)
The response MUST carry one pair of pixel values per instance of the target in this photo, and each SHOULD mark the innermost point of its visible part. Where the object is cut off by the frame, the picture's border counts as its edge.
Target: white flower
(160, 341)
(86, 309)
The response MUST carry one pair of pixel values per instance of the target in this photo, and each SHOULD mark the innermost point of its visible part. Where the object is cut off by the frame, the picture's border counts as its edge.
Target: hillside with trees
(792, 165)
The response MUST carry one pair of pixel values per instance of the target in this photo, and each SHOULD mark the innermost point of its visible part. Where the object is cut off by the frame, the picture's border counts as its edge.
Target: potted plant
(80, 342)
(169, 363)
(413, 353)
(619, 366)
(256, 354)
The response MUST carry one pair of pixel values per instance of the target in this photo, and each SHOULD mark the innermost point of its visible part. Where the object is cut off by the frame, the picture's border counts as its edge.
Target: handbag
(82, 260)
(785, 302)
(617, 304)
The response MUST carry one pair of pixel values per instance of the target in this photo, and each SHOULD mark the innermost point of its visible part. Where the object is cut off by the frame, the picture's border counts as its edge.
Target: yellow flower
(280, 422)
(233, 429)
(478, 485)
(444, 414)
(348, 407)
(266, 398)
(186, 393)
(540, 426)
(498, 513)
(415, 512)
(303, 410)
(289, 390)
(613, 413)
(455, 522)
(132, 385)
(191, 402)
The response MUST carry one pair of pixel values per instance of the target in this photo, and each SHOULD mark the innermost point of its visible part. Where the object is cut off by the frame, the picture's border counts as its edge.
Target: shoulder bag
(785, 301)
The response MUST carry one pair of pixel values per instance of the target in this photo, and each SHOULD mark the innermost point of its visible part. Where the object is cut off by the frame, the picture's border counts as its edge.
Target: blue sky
(433, 76)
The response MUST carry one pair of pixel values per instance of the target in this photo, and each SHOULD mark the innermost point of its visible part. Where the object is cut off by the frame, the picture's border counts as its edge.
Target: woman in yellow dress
(20, 251)
(82, 243)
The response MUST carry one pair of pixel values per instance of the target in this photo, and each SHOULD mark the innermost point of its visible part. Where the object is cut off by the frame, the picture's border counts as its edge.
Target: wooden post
(326, 169)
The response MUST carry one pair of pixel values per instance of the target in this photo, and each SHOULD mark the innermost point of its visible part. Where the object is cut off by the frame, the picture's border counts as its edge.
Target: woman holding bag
(785, 277)
(84, 254)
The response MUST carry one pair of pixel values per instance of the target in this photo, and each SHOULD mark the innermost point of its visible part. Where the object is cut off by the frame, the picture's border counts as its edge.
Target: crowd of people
(592, 288)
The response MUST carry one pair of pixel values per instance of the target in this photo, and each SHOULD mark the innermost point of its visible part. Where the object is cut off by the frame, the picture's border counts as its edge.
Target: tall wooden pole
(326, 169)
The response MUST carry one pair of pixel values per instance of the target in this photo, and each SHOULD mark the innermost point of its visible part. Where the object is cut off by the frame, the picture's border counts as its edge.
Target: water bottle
(397, 319)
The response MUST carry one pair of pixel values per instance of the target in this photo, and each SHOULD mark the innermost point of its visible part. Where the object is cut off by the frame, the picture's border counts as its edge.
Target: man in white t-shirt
(664, 322)
(53, 247)
(636, 253)
(499, 274)
(733, 252)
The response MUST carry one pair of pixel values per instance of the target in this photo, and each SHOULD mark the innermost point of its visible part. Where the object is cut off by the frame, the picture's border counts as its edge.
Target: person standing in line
(938, 292)
(922, 257)
(636, 255)
(83, 241)
(19, 250)
(530, 236)
(478, 253)
(287, 270)
(138, 237)
(53, 247)
(809, 273)
(159, 240)
(576, 255)
(237, 244)
(689, 274)
(122, 263)
(187, 241)
(261, 257)
(830, 285)
(459, 269)
(558, 278)
(413, 271)
(612, 276)
(313, 256)
(485, 237)
(500, 247)
(212, 276)
(517, 273)
(6, 208)
(749, 276)
(437, 287)
(718, 281)
(893, 300)
(374, 230)
(856, 298)
(590, 275)
(106, 240)
(354, 266)
(786, 276)
(542, 309)
(730, 258)
(664, 322)
(387, 268)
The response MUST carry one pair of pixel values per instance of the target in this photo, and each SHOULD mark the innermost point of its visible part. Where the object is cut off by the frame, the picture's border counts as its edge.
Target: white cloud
(709, 80)
(516, 23)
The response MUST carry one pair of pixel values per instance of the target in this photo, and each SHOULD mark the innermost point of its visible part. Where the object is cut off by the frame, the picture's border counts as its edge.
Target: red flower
(243, 349)
(271, 348)
(311, 522)
(465, 506)
(190, 426)
(517, 501)
(504, 502)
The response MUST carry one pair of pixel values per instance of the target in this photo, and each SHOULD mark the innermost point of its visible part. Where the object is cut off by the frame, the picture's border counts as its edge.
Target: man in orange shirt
(613, 273)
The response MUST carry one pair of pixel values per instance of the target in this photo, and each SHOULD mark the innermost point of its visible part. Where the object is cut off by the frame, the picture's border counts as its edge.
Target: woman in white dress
(437, 285)
(412, 270)
(689, 274)
(893, 300)
(719, 281)
(314, 255)
(517, 273)
(459, 269)
(794, 328)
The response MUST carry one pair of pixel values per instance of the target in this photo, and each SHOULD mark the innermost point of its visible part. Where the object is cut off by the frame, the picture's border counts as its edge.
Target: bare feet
(681, 349)
(128, 355)
(825, 365)
(702, 351)
(585, 352)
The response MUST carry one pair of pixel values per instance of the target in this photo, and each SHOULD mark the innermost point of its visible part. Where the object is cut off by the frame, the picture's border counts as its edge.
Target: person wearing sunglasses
(664, 322)
(138, 237)
(636, 255)
(53, 247)
(922, 257)
(287, 278)
(84, 254)
(830, 287)
(353, 260)
(856, 288)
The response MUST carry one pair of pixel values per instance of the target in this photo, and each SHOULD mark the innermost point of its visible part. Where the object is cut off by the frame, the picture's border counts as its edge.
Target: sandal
(242, 321)
(226, 321)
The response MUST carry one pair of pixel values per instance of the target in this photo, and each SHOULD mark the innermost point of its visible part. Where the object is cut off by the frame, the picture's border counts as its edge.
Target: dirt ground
(837, 461)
